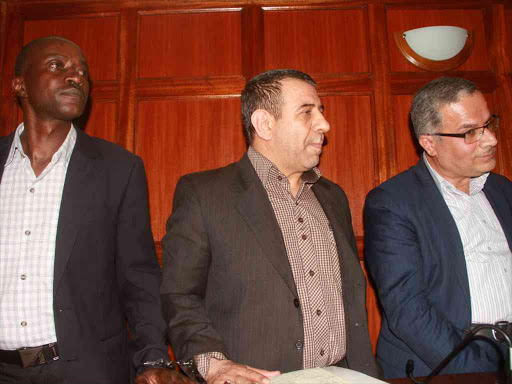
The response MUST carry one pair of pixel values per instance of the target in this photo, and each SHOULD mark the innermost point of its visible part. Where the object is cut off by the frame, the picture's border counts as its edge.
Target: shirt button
(27, 232)
(318, 312)
(298, 345)
(23, 323)
(357, 324)
(279, 178)
(32, 190)
(304, 237)
(322, 352)
(311, 273)
(301, 220)
(489, 248)
(23, 277)
(296, 302)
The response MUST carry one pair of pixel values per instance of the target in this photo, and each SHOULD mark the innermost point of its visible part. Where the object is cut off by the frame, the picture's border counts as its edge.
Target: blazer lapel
(78, 185)
(447, 230)
(499, 202)
(255, 208)
(324, 196)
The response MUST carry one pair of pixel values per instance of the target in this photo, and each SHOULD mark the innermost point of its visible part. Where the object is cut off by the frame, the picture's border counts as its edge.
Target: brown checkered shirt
(313, 257)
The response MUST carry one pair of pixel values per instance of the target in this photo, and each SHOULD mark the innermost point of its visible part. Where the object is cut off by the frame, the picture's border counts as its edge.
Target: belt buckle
(32, 356)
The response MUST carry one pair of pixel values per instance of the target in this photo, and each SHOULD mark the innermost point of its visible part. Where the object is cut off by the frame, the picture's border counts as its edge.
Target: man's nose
(321, 124)
(75, 77)
(489, 138)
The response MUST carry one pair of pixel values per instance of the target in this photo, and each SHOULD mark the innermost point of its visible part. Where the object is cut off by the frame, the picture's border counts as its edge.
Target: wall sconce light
(438, 48)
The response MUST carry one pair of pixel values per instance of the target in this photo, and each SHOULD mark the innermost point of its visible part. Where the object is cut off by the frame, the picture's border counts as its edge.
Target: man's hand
(226, 371)
(162, 376)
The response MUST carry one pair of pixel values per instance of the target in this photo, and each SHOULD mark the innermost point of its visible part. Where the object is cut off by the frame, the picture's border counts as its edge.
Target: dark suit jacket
(415, 255)
(106, 270)
(228, 285)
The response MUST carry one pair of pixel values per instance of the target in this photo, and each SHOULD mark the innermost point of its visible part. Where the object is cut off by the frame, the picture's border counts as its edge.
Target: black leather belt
(505, 326)
(31, 356)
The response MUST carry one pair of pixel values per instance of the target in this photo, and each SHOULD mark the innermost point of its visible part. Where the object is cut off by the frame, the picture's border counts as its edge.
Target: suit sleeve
(186, 263)
(396, 263)
(138, 272)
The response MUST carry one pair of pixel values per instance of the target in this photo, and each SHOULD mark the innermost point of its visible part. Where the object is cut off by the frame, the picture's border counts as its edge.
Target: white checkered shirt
(488, 256)
(29, 211)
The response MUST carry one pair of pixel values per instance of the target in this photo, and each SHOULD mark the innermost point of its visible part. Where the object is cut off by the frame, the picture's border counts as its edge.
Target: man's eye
(472, 132)
(54, 65)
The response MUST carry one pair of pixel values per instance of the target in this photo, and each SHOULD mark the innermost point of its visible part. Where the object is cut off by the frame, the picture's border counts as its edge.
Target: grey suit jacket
(106, 270)
(228, 285)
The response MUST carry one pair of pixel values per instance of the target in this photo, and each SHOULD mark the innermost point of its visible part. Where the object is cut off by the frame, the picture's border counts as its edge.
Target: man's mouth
(73, 92)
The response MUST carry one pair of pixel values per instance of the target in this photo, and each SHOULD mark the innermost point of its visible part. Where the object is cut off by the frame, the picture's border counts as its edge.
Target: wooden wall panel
(3, 14)
(317, 41)
(100, 47)
(508, 36)
(406, 150)
(100, 120)
(189, 44)
(348, 156)
(401, 20)
(179, 136)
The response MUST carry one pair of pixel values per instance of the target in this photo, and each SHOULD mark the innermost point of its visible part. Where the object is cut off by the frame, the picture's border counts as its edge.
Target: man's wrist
(160, 363)
(204, 360)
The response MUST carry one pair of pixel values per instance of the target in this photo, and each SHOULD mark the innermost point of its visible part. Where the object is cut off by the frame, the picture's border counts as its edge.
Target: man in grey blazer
(261, 273)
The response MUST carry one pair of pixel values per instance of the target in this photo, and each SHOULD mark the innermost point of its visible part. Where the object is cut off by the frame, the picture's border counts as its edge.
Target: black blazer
(415, 254)
(106, 270)
(228, 285)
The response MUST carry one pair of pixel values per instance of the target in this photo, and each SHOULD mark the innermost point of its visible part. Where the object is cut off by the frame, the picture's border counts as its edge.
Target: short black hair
(21, 60)
(429, 100)
(264, 92)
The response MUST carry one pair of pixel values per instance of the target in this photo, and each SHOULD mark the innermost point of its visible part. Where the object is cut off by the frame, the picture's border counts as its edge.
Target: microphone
(409, 367)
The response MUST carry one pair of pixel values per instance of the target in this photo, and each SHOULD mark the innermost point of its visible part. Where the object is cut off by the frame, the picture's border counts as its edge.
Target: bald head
(23, 56)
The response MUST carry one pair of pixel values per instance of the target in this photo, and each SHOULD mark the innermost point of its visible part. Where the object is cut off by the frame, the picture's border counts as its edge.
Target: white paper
(327, 375)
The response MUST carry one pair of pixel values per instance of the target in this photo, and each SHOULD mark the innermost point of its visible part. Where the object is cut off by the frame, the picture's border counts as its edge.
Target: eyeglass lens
(474, 135)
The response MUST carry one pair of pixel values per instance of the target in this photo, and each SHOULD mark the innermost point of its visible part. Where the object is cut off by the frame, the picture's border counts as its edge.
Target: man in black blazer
(438, 237)
(260, 262)
(77, 253)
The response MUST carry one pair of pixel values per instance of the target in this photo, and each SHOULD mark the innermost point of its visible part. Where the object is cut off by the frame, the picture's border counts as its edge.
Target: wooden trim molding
(434, 65)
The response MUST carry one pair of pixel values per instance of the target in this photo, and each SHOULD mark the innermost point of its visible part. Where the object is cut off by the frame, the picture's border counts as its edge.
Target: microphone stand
(409, 368)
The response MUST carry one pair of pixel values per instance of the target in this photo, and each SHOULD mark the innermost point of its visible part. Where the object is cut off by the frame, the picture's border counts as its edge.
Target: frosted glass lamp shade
(437, 43)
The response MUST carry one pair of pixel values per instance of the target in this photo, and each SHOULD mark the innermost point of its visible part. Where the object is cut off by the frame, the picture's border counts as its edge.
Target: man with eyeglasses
(438, 238)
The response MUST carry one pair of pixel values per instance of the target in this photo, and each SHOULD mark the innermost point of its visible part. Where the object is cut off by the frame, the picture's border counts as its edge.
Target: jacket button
(299, 345)
(466, 331)
(296, 302)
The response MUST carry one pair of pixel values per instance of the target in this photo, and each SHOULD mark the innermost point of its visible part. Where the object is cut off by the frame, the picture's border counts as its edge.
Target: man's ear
(428, 143)
(263, 123)
(18, 86)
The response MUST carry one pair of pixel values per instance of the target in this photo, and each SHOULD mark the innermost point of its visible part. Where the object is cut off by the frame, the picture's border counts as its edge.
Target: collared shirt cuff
(203, 361)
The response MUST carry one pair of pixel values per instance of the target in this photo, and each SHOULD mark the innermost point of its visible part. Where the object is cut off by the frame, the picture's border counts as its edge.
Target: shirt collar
(476, 184)
(64, 152)
(265, 168)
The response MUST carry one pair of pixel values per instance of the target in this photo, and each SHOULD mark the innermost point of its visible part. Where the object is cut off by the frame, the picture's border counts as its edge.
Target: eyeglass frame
(494, 118)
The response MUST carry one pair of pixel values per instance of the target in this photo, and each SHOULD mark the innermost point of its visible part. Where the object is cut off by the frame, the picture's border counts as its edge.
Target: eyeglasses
(475, 134)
